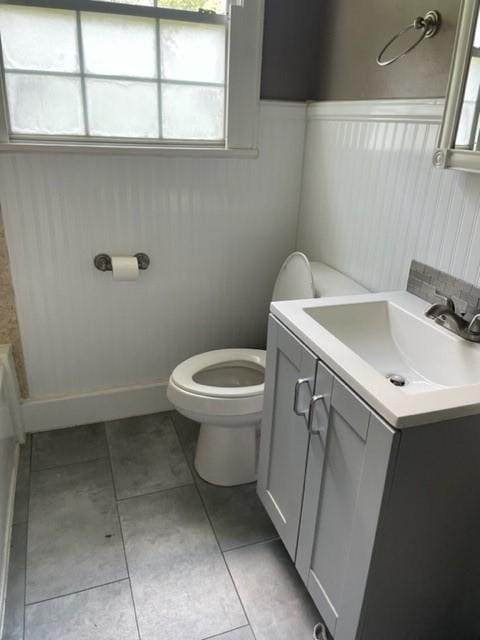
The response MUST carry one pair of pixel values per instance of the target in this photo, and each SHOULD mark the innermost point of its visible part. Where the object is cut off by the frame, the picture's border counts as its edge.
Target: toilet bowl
(223, 389)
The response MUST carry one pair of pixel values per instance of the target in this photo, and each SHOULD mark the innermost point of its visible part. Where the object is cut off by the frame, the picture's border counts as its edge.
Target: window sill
(127, 149)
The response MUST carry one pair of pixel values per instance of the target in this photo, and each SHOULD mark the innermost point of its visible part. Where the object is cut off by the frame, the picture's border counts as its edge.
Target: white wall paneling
(372, 200)
(11, 432)
(216, 231)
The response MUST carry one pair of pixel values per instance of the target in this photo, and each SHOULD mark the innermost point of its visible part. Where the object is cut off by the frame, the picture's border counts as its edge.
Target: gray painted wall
(326, 50)
(354, 31)
(291, 49)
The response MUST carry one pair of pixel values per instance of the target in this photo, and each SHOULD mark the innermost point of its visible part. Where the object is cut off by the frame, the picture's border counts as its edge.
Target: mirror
(459, 139)
(467, 134)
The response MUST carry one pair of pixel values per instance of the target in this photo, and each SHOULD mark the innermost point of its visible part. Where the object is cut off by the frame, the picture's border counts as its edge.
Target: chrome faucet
(445, 315)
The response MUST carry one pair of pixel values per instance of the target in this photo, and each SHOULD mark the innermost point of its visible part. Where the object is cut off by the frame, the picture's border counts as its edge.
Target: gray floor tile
(237, 514)
(66, 446)
(20, 512)
(103, 613)
(181, 586)
(245, 633)
(14, 605)
(187, 431)
(275, 600)
(74, 537)
(146, 455)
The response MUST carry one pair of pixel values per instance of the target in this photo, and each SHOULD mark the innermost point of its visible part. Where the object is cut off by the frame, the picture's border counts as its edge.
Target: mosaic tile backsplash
(429, 283)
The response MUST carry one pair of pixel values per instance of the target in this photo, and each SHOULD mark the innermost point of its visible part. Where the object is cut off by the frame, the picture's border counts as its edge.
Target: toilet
(223, 389)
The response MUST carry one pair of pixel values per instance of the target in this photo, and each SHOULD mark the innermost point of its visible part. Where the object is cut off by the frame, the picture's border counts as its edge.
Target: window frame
(244, 24)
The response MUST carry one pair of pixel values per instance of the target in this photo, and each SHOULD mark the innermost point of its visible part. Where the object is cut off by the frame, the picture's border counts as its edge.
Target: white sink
(394, 341)
(366, 339)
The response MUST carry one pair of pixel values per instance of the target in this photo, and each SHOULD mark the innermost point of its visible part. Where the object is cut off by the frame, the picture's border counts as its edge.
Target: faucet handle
(474, 326)
(446, 300)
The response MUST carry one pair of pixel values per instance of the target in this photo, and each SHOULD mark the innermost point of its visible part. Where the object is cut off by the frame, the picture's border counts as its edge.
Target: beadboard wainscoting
(11, 434)
(216, 230)
(372, 200)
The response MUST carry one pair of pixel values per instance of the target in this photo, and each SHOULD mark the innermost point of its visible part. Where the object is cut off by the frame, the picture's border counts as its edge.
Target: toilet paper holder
(103, 262)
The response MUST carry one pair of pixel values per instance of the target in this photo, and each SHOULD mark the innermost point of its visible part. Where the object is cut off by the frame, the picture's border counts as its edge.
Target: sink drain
(396, 379)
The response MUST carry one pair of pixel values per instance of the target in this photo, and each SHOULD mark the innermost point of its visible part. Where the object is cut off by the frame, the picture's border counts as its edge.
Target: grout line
(219, 635)
(251, 544)
(224, 559)
(121, 534)
(216, 539)
(152, 493)
(109, 455)
(69, 464)
(74, 593)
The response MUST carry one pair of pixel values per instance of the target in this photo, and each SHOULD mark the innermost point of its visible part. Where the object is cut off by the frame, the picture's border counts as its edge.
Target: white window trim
(242, 99)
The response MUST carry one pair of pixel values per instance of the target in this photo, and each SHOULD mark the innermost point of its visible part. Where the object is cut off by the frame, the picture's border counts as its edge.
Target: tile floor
(116, 537)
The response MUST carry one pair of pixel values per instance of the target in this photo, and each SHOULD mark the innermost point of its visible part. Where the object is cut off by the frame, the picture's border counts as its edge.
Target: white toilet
(223, 390)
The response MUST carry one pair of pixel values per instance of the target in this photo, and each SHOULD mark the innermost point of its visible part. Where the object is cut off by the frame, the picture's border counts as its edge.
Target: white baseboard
(110, 404)
(5, 552)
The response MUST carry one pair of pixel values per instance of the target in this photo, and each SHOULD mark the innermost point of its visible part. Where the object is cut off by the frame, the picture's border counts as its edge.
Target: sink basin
(366, 339)
(396, 342)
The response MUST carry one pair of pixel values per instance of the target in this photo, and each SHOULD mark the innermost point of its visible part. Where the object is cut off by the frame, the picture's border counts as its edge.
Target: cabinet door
(289, 381)
(345, 481)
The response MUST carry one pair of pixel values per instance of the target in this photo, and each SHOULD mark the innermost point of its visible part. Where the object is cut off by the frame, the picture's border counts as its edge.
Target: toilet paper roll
(124, 268)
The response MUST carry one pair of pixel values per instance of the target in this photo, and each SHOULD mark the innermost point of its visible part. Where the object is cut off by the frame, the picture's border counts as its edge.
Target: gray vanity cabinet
(382, 524)
(322, 476)
(344, 486)
(289, 383)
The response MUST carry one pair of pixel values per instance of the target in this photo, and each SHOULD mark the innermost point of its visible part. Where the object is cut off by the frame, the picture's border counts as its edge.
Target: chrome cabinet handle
(298, 386)
(311, 409)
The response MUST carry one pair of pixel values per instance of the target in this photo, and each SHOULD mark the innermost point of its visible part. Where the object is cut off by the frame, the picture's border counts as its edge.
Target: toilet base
(227, 455)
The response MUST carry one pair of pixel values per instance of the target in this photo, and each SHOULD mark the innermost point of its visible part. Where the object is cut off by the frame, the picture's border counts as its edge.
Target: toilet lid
(295, 280)
(202, 374)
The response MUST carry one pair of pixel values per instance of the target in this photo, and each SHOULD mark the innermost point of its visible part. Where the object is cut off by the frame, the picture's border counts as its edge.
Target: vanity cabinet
(345, 477)
(323, 464)
(289, 383)
(382, 524)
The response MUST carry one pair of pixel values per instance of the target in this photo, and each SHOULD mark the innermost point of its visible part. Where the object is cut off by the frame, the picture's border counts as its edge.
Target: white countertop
(397, 405)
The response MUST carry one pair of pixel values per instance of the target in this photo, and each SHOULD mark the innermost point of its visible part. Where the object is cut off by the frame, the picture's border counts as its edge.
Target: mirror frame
(446, 155)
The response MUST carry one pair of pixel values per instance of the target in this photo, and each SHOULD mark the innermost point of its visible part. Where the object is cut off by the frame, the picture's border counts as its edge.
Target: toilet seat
(237, 405)
(184, 374)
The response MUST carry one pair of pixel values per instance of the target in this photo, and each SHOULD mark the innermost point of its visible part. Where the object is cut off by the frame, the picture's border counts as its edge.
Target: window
(148, 72)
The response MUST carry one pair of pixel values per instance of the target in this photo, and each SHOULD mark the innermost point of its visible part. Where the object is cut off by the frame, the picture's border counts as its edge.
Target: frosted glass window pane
(144, 3)
(122, 108)
(219, 6)
(193, 113)
(191, 51)
(119, 45)
(39, 39)
(45, 104)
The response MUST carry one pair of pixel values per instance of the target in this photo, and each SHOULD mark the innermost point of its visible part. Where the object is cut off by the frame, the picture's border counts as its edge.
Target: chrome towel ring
(429, 25)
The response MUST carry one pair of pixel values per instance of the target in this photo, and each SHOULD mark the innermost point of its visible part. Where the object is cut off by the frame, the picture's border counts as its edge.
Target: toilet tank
(300, 279)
